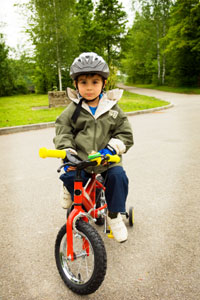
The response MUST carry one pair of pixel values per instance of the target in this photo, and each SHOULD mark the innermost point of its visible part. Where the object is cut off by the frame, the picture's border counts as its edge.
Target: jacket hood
(108, 100)
(112, 95)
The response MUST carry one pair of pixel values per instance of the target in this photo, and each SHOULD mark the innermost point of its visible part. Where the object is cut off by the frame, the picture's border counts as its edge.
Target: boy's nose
(89, 87)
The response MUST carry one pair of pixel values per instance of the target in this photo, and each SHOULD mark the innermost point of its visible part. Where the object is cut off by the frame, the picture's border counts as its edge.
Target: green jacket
(90, 133)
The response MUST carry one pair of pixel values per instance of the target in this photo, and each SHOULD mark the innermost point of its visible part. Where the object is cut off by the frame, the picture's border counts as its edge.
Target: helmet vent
(89, 62)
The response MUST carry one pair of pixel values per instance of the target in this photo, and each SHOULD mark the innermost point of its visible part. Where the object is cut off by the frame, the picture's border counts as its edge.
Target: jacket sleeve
(122, 136)
(64, 130)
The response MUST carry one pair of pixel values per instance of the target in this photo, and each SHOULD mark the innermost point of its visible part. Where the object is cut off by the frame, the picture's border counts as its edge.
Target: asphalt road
(161, 258)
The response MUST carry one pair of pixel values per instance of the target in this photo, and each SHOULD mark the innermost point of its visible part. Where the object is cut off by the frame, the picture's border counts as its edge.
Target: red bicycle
(79, 249)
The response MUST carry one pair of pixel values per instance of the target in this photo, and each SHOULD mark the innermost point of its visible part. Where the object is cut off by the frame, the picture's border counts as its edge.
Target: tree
(183, 43)
(111, 22)
(86, 26)
(52, 28)
(173, 27)
(7, 79)
(146, 44)
(109, 28)
(139, 49)
(161, 10)
(158, 12)
(23, 69)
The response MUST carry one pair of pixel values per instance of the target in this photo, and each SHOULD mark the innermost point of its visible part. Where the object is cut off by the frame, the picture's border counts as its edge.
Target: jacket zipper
(94, 140)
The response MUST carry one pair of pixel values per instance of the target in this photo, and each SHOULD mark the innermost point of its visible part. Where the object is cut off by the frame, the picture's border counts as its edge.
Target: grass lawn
(182, 90)
(133, 102)
(18, 110)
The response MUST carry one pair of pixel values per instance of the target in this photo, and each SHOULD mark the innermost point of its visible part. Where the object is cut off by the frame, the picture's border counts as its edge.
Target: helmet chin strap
(78, 108)
(91, 100)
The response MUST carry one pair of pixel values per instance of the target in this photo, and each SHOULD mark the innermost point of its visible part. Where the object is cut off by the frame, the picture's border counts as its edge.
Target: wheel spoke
(82, 275)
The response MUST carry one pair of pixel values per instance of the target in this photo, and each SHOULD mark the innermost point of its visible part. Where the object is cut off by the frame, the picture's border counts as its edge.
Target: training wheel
(131, 216)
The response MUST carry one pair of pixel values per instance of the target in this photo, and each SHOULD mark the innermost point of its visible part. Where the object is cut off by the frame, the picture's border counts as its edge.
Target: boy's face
(90, 86)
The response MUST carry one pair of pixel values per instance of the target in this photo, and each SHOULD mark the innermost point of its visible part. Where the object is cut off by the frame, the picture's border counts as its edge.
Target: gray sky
(14, 22)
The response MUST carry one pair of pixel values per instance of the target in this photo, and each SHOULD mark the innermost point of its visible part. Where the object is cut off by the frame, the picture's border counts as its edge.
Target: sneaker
(118, 228)
(65, 197)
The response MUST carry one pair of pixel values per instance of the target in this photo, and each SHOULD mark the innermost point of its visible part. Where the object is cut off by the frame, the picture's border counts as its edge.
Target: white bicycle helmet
(89, 63)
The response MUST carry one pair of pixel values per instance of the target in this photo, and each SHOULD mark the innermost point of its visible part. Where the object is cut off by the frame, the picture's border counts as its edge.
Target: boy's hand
(94, 152)
(107, 150)
(71, 169)
(106, 163)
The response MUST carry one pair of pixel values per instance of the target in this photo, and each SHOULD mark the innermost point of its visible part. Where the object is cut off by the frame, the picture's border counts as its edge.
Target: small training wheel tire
(131, 216)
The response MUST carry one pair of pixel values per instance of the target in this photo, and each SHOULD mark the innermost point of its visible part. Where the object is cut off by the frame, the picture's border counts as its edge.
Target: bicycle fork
(75, 214)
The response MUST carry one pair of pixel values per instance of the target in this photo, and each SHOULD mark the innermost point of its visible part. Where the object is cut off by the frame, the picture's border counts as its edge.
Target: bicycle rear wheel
(85, 274)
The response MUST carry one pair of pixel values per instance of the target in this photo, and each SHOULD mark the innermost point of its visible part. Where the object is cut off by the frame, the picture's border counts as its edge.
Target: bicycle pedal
(110, 234)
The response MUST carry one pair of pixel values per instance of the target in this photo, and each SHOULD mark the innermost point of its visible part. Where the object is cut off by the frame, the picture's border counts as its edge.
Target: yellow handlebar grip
(44, 152)
(97, 159)
(113, 158)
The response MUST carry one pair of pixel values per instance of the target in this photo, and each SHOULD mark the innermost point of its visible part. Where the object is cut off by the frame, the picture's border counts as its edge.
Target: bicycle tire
(75, 281)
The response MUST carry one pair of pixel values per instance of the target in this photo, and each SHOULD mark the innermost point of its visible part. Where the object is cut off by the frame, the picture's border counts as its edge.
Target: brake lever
(104, 159)
(73, 158)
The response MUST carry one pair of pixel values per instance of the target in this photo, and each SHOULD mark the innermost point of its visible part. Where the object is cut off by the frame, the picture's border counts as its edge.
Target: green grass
(182, 90)
(17, 110)
(134, 102)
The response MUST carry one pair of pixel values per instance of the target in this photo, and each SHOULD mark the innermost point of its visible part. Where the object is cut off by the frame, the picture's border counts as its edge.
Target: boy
(94, 122)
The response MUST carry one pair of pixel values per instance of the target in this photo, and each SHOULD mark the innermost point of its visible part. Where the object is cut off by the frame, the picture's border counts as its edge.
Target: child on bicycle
(93, 122)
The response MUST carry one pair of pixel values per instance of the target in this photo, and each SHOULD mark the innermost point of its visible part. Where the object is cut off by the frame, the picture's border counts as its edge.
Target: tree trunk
(59, 77)
(57, 51)
(163, 70)
(158, 51)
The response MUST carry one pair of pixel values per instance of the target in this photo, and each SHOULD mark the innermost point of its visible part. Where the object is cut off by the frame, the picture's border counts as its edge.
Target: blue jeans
(116, 183)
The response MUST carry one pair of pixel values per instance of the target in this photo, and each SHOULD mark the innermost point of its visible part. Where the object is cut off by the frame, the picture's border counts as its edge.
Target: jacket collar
(108, 100)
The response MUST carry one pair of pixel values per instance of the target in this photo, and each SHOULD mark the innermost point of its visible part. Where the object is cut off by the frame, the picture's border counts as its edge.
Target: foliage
(143, 48)
(23, 70)
(16, 73)
(139, 50)
(7, 79)
(101, 31)
(183, 43)
(163, 45)
(110, 26)
(86, 26)
(52, 28)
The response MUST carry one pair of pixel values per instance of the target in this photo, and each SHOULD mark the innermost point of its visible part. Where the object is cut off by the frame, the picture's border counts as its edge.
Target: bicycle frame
(82, 196)
(86, 197)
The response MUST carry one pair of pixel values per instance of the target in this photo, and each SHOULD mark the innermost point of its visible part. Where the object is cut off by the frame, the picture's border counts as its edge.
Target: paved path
(160, 260)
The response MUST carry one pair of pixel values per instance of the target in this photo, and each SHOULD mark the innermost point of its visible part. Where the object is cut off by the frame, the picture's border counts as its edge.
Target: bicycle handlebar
(44, 152)
(108, 157)
(113, 158)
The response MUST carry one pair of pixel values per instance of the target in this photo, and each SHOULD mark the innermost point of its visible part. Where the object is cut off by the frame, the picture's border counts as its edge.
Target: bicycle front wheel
(85, 274)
